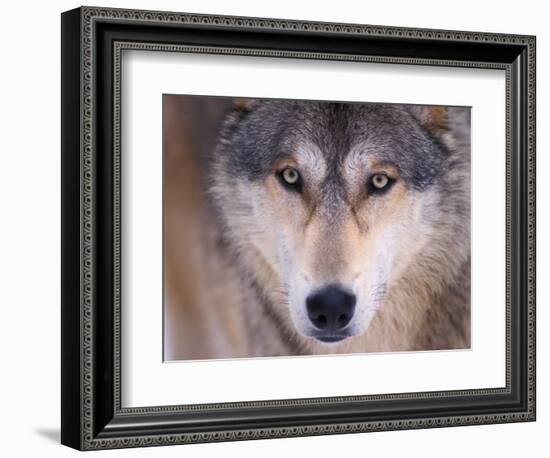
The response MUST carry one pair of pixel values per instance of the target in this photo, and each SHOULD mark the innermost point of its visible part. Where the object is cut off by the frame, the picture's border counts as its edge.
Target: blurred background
(200, 309)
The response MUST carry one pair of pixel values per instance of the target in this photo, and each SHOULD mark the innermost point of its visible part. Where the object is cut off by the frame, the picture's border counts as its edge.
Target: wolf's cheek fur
(284, 215)
(391, 233)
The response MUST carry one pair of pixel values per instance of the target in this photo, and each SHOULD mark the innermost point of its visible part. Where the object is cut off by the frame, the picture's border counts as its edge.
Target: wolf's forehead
(336, 136)
(340, 130)
(330, 138)
(349, 139)
(320, 162)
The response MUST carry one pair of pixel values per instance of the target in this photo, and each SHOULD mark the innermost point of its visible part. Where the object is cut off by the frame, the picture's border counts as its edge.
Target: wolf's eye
(290, 175)
(380, 183)
(291, 179)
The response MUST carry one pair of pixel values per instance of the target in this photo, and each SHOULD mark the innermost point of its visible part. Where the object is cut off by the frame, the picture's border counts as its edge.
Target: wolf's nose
(330, 308)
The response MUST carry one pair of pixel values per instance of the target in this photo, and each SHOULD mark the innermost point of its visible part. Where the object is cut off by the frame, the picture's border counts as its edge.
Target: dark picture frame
(92, 42)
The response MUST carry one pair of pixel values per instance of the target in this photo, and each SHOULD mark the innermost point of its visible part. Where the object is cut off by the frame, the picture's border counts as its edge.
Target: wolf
(346, 224)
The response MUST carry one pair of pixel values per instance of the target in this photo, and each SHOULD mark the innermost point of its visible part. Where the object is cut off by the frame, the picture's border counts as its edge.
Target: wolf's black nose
(330, 308)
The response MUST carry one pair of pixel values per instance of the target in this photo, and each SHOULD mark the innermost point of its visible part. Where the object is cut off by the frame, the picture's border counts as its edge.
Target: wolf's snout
(330, 309)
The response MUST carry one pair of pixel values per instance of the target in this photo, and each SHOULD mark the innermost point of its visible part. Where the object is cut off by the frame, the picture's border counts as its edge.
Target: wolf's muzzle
(330, 309)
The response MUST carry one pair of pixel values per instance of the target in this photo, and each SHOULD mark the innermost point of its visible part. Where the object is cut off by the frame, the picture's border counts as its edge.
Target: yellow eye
(380, 181)
(290, 175)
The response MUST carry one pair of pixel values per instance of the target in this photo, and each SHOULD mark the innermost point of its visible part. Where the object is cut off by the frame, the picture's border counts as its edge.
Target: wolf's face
(329, 203)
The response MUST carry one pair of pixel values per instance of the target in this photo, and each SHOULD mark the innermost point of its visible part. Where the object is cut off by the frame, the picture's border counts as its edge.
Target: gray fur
(427, 307)
(271, 128)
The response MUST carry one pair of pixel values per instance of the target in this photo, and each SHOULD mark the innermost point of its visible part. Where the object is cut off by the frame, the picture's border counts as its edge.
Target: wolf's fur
(405, 254)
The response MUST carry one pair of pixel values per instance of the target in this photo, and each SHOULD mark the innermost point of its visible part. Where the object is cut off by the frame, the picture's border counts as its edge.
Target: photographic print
(345, 199)
(305, 227)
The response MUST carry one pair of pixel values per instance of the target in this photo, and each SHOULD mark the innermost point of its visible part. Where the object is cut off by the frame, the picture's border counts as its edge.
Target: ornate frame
(92, 42)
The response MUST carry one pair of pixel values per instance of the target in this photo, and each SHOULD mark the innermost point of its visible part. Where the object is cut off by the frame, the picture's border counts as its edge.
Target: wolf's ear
(244, 105)
(238, 110)
(433, 118)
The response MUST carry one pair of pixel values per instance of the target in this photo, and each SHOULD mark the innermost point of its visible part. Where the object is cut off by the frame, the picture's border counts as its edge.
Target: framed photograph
(276, 228)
